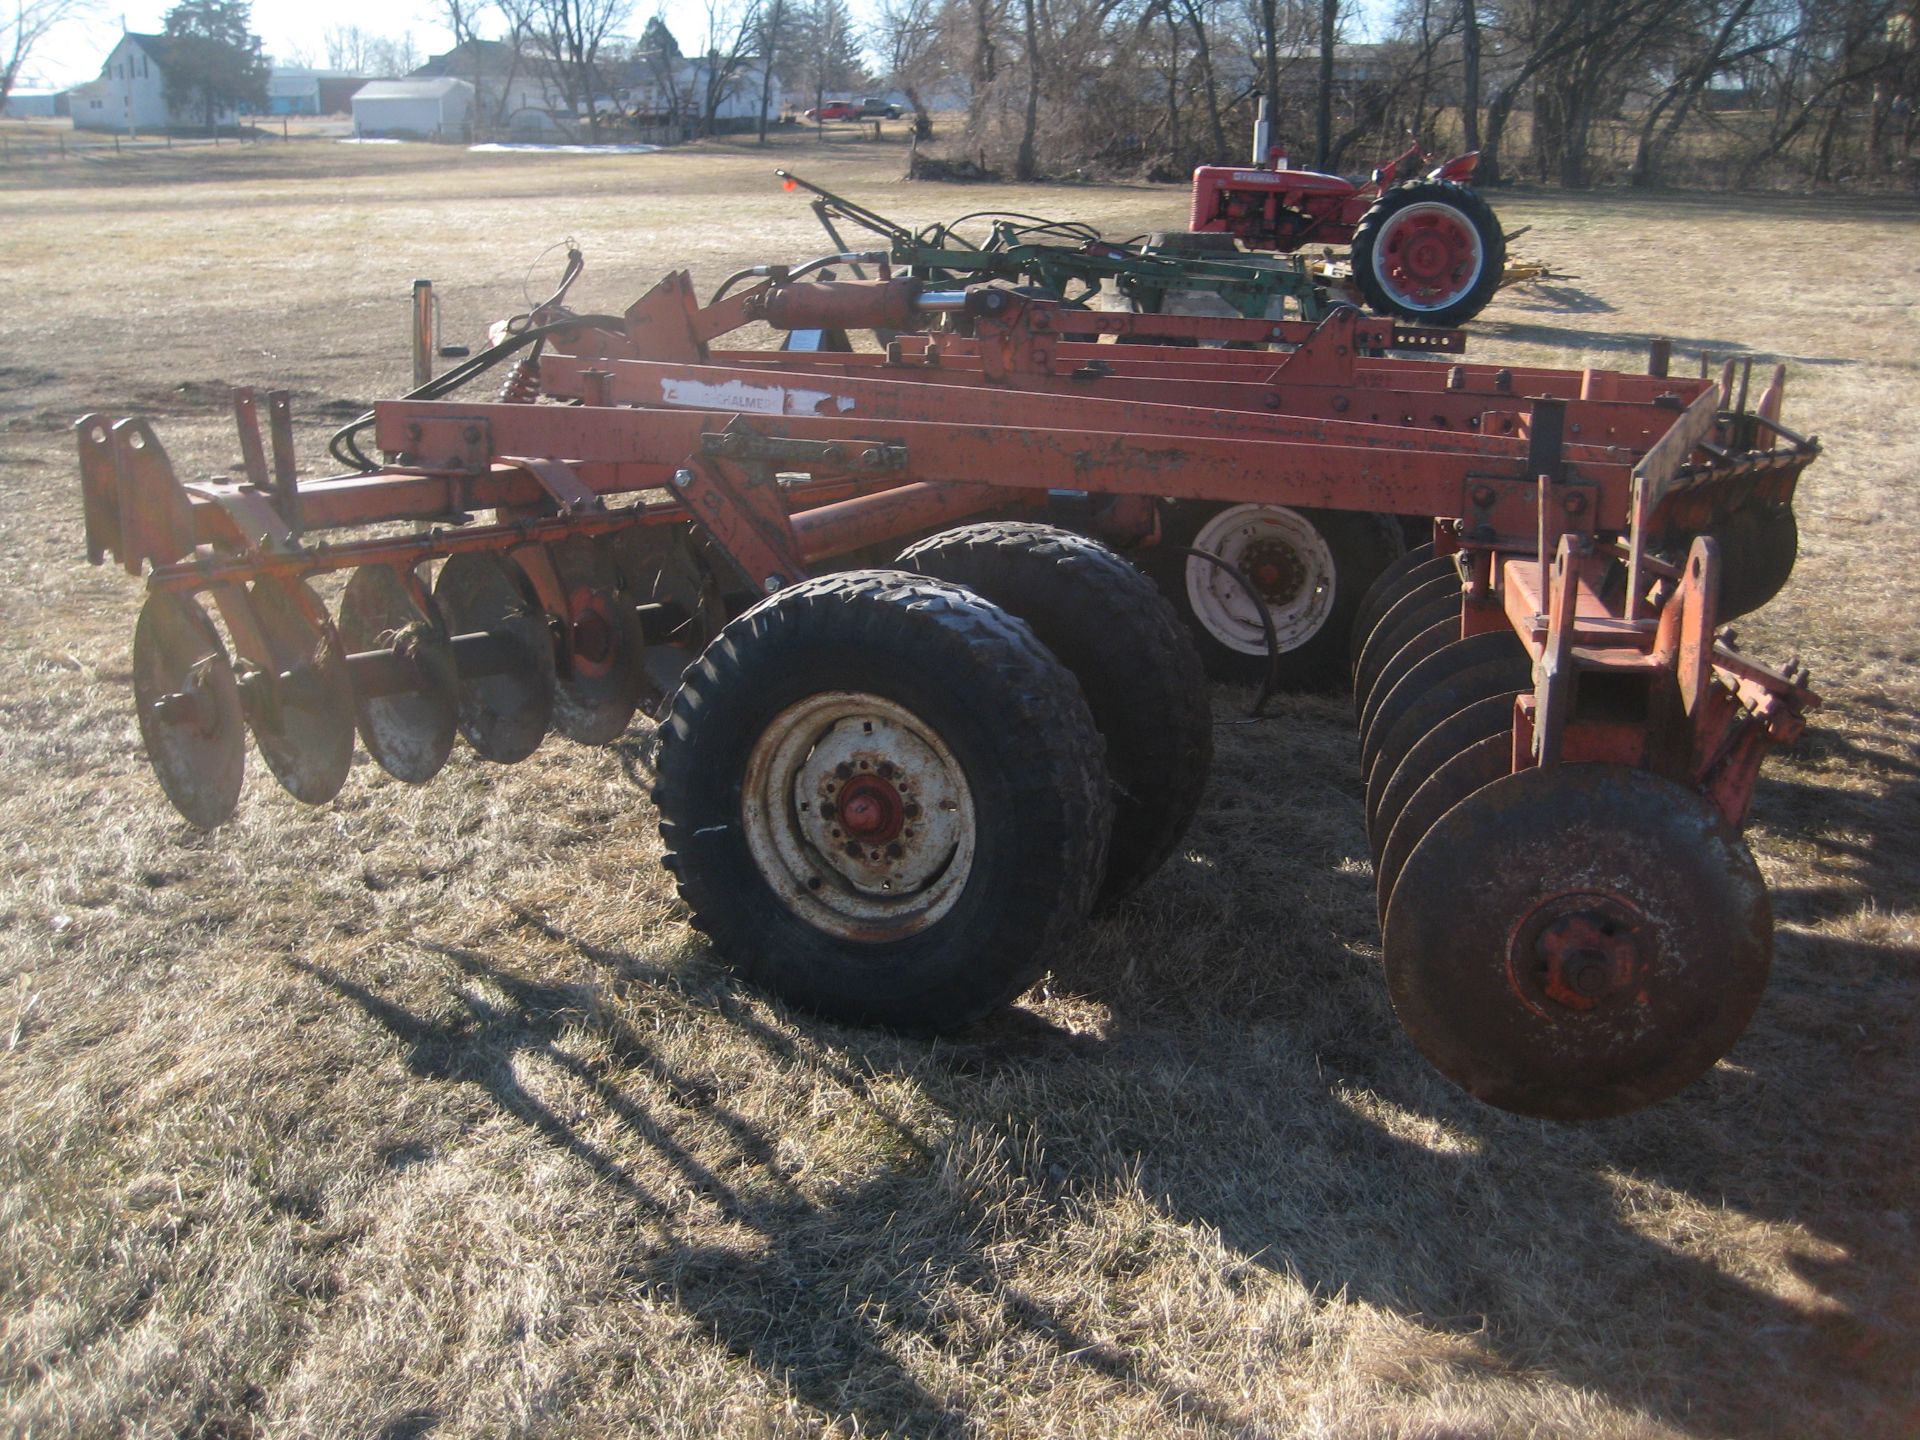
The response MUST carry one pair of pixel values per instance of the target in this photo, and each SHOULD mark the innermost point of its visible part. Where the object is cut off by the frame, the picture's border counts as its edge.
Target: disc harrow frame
(1583, 512)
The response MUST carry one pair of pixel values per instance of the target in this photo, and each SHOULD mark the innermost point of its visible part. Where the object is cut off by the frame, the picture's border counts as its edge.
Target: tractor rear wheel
(1135, 664)
(1308, 568)
(1430, 251)
(883, 799)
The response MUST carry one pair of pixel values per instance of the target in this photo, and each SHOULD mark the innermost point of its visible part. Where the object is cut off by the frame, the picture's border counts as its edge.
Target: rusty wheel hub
(859, 815)
(1579, 952)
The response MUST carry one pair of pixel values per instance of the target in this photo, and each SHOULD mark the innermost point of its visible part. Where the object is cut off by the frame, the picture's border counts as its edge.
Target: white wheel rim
(859, 816)
(1275, 553)
(1428, 256)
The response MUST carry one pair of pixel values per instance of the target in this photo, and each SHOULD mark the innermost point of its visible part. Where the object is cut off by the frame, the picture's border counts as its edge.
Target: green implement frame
(1071, 262)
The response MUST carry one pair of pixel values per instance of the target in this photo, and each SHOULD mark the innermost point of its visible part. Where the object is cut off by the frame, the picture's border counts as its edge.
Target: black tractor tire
(1313, 650)
(1135, 663)
(963, 708)
(1377, 245)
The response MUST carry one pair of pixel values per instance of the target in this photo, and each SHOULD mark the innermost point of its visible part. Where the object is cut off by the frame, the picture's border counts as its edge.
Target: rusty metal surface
(503, 714)
(1483, 712)
(409, 732)
(189, 709)
(299, 703)
(1621, 941)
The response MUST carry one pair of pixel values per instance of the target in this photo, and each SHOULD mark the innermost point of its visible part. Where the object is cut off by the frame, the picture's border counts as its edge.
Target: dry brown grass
(424, 1112)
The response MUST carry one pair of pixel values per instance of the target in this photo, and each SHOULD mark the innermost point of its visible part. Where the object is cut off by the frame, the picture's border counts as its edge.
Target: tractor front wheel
(1430, 252)
(883, 799)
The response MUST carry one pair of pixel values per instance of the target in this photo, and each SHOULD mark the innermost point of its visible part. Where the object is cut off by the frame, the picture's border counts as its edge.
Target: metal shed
(413, 109)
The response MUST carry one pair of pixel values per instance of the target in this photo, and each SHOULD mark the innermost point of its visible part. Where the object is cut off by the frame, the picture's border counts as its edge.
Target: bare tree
(827, 49)
(1024, 164)
(908, 37)
(361, 52)
(463, 19)
(776, 19)
(732, 28)
(1195, 13)
(1470, 73)
(1323, 116)
(567, 37)
(22, 33)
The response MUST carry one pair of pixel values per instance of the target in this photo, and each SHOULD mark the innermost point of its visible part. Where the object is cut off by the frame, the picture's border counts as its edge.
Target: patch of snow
(535, 149)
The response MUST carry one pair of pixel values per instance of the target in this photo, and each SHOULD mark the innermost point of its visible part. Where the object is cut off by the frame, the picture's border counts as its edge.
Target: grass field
(424, 1112)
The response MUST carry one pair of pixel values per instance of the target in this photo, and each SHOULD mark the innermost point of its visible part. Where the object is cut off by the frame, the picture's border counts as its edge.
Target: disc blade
(1416, 649)
(1757, 553)
(1435, 577)
(189, 708)
(1396, 777)
(661, 565)
(1578, 941)
(1473, 768)
(1414, 568)
(303, 723)
(1429, 685)
(408, 733)
(1418, 610)
(503, 715)
(595, 697)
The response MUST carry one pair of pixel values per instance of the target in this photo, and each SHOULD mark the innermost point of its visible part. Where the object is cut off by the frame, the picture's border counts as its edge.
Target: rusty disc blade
(1578, 941)
(1758, 548)
(599, 688)
(1429, 690)
(189, 708)
(504, 714)
(303, 721)
(1435, 578)
(1473, 767)
(1412, 569)
(1426, 607)
(1418, 647)
(1396, 778)
(662, 566)
(410, 732)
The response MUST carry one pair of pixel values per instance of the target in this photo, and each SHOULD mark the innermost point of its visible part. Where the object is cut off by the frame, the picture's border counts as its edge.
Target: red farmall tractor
(1424, 246)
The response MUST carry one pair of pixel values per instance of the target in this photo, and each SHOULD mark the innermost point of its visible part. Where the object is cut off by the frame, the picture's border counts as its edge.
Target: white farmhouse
(130, 94)
(413, 109)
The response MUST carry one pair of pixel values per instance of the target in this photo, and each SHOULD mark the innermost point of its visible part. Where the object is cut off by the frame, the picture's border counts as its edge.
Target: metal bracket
(154, 511)
(1554, 672)
(1504, 514)
(556, 477)
(745, 516)
(740, 441)
(459, 443)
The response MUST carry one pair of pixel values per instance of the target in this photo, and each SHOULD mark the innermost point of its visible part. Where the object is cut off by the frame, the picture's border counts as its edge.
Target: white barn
(413, 109)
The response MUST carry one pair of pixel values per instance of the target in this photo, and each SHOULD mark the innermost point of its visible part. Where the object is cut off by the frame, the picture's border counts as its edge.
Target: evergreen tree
(826, 50)
(657, 38)
(214, 61)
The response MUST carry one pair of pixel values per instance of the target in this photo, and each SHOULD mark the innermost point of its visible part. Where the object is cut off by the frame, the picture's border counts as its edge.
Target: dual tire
(889, 798)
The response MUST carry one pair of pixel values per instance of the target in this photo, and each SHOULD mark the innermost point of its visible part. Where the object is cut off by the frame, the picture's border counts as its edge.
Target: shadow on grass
(1687, 349)
(1275, 1104)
